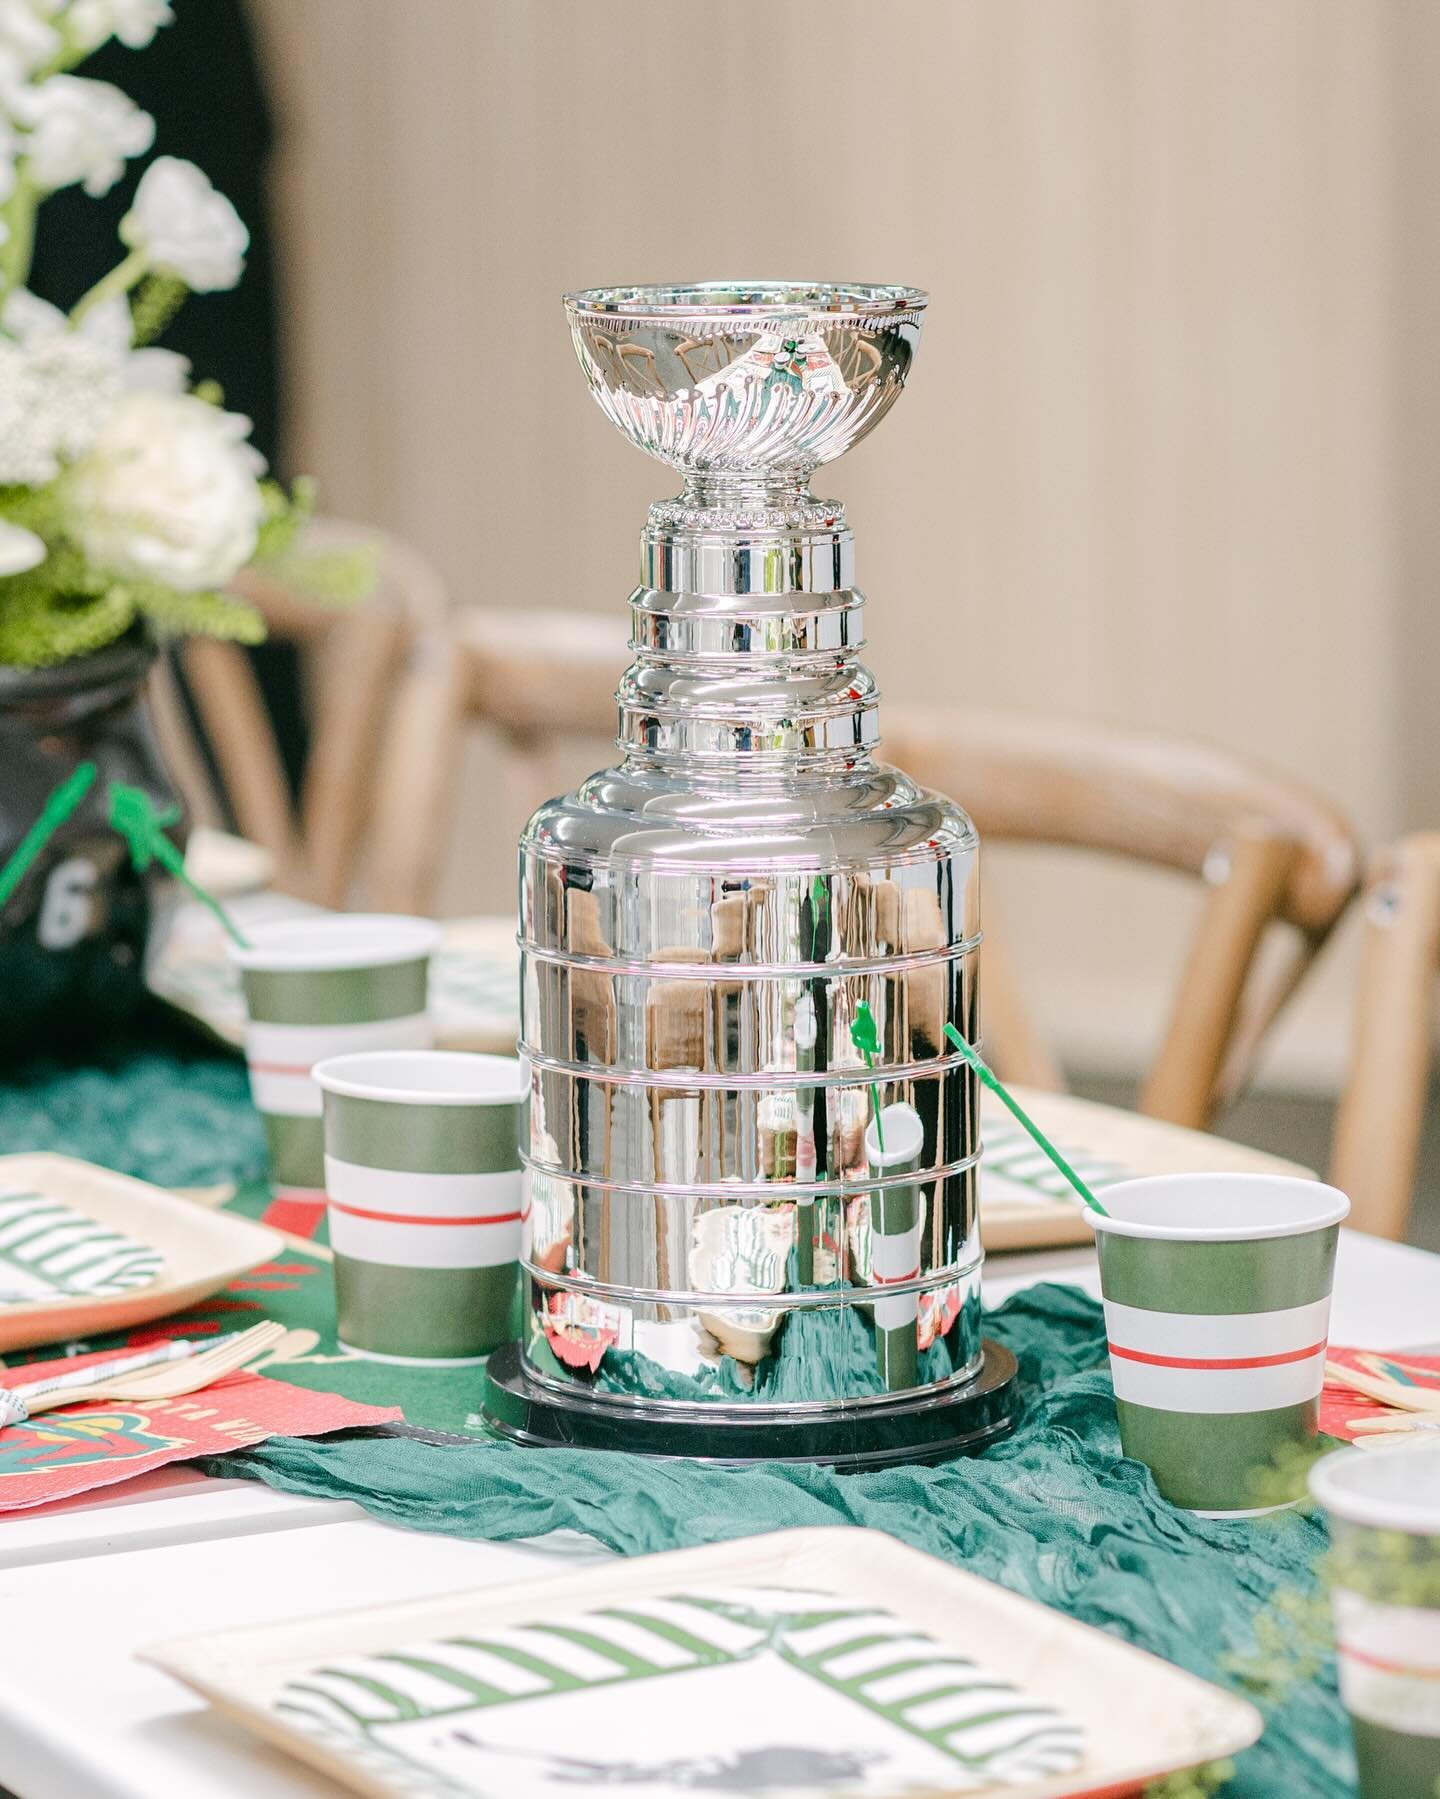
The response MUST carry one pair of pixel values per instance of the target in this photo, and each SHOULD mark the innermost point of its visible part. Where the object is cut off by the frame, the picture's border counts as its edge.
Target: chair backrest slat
(1382, 1110)
(359, 659)
(1270, 848)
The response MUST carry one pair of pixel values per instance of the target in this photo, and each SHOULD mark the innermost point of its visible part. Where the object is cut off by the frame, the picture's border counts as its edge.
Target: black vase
(73, 935)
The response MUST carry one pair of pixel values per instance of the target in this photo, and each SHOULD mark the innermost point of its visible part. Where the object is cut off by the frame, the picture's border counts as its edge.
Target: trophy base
(911, 1428)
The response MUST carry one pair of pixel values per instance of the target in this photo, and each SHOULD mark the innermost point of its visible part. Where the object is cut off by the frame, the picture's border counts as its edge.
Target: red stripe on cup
(893, 1280)
(301, 1068)
(1408, 1669)
(1216, 1362)
(416, 1218)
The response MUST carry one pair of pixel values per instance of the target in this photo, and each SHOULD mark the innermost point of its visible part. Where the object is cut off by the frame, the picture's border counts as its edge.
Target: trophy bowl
(754, 378)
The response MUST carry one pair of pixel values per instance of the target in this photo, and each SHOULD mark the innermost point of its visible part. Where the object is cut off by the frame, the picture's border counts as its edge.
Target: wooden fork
(171, 1379)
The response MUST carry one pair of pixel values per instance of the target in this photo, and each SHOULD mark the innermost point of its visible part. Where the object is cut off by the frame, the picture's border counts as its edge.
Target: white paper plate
(176, 1253)
(458, 1697)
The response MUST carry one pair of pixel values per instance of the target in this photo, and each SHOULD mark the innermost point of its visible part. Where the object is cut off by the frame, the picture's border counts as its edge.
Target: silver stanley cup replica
(745, 1240)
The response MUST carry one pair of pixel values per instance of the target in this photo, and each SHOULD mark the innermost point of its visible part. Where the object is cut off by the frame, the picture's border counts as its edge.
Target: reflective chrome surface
(746, 377)
(700, 923)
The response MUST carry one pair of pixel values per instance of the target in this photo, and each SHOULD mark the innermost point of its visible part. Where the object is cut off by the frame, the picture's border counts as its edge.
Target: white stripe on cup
(284, 1095)
(1389, 1663)
(1217, 1335)
(423, 1195)
(1218, 1389)
(898, 1309)
(895, 1258)
(371, 1213)
(280, 1056)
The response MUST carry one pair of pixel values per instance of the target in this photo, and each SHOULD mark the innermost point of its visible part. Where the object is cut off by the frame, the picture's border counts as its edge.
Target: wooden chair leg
(1382, 1110)
(360, 664)
(228, 696)
(1259, 1011)
(179, 749)
(1181, 1085)
(414, 807)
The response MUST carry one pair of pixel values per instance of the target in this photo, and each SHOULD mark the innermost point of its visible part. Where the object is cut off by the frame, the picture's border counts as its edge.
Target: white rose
(9, 150)
(55, 394)
(80, 130)
(182, 225)
(26, 33)
(134, 22)
(108, 327)
(167, 492)
(19, 549)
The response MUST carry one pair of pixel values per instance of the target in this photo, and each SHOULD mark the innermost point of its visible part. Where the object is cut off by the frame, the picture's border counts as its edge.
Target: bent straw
(134, 815)
(61, 803)
(867, 1040)
(992, 1081)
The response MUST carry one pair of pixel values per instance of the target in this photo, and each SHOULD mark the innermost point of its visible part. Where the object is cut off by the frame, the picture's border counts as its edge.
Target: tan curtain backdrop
(1149, 468)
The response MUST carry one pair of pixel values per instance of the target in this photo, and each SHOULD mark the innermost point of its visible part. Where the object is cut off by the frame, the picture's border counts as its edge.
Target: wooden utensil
(168, 1380)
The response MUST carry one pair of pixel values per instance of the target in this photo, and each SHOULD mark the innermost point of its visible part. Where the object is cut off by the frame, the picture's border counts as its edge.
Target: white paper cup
(1217, 1312)
(426, 1196)
(895, 1225)
(1384, 1509)
(323, 986)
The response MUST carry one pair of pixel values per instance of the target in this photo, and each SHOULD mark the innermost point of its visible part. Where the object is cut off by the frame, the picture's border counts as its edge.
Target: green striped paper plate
(799, 1663)
(48, 1250)
(766, 1691)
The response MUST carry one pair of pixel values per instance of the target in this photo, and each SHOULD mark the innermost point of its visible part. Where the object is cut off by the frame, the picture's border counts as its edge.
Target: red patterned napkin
(1340, 1404)
(60, 1453)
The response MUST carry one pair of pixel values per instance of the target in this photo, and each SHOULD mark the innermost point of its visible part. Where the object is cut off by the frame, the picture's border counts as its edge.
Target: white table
(83, 1585)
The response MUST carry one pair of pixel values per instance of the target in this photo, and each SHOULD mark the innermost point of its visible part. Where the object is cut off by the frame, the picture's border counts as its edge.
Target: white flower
(167, 492)
(30, 320)
(134, 22)
(182, 225)
(79, 130)
(55, 395)
(19, 549)
(26, 33)
(9, 150)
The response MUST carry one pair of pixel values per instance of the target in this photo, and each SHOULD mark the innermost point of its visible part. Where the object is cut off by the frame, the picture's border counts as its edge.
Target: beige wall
(1150, 466)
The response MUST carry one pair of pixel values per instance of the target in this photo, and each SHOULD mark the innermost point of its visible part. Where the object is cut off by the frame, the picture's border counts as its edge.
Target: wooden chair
(530, 676)
(1268, 847)
(1382, 1109)
(360, 661)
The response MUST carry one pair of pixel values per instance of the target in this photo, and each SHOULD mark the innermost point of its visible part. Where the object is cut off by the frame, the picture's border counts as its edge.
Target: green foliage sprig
(65, 608)
(1193, 1783)
(1391, 1567)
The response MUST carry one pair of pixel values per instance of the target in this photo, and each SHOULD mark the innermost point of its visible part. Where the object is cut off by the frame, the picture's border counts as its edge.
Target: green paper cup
(422, 1169)
(1384, 1508)
(1217, 1311)
(895, 1219)
(323, 986)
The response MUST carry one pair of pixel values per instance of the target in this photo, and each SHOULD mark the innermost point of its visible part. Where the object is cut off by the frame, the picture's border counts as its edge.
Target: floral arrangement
(129, 497)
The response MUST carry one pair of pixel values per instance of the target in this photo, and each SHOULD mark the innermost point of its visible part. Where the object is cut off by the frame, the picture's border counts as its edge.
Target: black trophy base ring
(927, 1427)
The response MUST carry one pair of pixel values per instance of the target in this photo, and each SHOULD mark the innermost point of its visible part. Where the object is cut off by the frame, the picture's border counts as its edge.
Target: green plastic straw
(60, 805)
(135, 816)
(866, 1039)
(992, 1081)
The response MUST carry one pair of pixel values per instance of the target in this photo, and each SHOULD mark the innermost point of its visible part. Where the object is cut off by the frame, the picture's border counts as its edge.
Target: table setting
(513, 1355)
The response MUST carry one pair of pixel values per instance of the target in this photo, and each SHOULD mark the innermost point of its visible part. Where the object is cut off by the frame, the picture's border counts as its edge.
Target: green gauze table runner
(1053, 1512)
